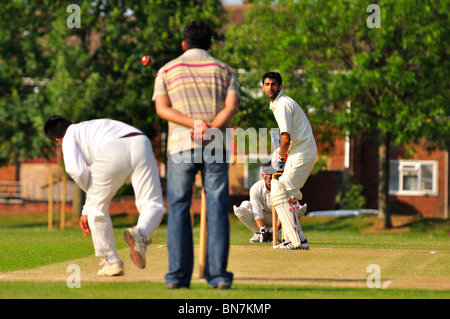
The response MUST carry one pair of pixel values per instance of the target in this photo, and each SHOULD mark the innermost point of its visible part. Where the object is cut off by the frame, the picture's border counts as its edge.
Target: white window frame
(405, 166)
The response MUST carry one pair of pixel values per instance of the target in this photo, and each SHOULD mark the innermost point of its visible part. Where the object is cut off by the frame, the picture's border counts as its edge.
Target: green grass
(26, 243)
(144, 290)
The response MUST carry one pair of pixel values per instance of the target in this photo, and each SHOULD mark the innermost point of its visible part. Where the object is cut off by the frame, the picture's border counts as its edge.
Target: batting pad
(246, 217)
(281, 204)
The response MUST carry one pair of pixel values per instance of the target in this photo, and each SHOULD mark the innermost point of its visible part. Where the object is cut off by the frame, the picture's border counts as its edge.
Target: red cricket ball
(146, 60)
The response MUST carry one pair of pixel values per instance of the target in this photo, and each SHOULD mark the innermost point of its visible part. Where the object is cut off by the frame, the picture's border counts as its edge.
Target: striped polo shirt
(197, 85)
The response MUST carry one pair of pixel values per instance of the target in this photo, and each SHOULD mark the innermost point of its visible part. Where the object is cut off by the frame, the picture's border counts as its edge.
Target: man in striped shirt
(196, 92)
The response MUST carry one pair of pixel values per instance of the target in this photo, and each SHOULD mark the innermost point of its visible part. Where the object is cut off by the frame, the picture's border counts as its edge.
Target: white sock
(112, 259)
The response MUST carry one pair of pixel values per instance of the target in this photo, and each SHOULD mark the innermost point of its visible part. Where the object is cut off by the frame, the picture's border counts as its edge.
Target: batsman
(296, 155)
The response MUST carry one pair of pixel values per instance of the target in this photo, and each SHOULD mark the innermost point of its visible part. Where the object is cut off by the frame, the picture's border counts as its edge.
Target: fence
(17, 190)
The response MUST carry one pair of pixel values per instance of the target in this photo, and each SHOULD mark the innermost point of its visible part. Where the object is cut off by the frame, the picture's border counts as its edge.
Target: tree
(394, 78)
(23, 70)
(91, 69)
(97, 68)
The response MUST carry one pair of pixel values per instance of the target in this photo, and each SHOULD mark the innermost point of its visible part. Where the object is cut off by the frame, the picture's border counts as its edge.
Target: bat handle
(203, 232)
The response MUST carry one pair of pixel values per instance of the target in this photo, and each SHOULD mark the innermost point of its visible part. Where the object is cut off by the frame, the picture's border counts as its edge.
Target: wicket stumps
(50, 209)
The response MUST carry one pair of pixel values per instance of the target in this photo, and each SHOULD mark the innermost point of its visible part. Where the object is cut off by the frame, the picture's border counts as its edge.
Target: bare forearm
(284, 145)
(259, 223)
(166, 112)
(226, 114)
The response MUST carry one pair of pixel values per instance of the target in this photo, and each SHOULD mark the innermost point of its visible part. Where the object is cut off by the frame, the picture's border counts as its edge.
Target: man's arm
(74, 162)
(257, 205)
(165, 110)
(284, 144)
(259, 223)
(226, 114)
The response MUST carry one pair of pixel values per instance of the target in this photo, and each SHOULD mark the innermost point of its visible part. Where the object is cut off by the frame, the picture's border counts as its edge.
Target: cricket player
(296, 154)
(101, 155)
(256, 214)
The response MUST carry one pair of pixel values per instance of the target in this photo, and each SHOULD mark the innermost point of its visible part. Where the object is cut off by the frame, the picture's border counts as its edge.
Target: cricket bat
(203, 230)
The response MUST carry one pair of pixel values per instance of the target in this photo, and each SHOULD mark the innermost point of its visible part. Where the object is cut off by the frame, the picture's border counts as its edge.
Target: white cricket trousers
(120, 161)
(296, 171)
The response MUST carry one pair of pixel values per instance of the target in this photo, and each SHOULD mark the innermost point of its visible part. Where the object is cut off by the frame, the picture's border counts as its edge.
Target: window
(415, 178)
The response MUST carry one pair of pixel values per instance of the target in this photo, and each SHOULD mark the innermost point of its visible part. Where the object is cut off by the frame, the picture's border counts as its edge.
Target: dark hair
(197, 34)
(272, 76)
(56, 126)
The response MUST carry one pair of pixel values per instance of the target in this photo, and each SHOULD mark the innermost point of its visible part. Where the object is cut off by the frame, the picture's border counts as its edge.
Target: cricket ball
(146, 60)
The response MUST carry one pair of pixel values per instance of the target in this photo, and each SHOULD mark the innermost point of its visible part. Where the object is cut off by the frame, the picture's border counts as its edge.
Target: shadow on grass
(347, 223)
(429, 225)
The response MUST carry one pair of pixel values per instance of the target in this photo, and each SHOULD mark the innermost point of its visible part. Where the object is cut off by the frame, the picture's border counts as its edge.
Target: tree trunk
(384, 207)
(18, 171)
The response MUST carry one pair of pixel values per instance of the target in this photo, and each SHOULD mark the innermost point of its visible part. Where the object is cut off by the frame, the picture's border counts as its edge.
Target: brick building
(419, 182)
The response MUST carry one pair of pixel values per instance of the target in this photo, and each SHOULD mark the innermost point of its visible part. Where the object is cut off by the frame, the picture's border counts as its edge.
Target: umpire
(196, 88)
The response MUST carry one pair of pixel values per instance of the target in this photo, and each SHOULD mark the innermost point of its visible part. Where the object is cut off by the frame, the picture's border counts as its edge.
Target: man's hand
(200, 127)
(282, 161)
(84, 225)
(264, 236)
(278, 162)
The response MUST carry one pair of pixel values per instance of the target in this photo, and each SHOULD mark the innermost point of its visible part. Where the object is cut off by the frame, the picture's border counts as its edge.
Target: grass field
(413, 261)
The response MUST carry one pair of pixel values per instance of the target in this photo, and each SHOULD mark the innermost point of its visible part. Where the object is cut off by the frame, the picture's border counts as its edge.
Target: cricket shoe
(286, 246)
(256, 238)
(138, 245)
(304, 245)
(111, 269)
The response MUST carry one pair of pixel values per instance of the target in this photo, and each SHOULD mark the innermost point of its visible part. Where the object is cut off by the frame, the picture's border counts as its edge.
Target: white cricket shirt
(84, 140)
(260, 199)
(291, 119)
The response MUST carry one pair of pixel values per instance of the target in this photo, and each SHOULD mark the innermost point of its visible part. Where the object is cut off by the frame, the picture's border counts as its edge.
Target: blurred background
(373, 80)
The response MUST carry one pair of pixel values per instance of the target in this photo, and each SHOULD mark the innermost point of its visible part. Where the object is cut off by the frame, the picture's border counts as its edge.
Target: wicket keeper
(256, 214)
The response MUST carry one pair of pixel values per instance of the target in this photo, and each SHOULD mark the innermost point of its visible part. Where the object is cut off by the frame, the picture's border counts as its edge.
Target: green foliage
(350, 197)
(395, 77)
(99, 73)
(23, 66)
(350, 193)
(389, 82)
(93, 71)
